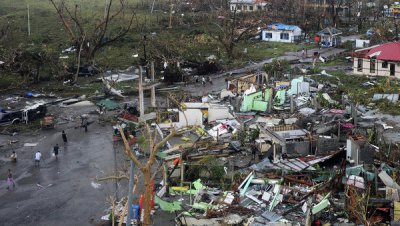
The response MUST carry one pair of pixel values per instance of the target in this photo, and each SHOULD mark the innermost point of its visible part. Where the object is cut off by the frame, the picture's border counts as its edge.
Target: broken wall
(216, 113)
(257, 101)
(325, 145)
(359, 151)
(298, 147)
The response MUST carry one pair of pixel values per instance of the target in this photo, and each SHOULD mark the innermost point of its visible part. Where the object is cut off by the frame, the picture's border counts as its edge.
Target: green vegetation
(191, 38)
(351, 85)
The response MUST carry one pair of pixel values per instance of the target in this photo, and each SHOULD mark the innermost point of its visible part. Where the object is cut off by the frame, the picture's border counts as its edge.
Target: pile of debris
(276, 153)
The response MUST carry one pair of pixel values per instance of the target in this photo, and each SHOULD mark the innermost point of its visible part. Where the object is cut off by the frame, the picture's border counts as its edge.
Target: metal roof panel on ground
(296, 165)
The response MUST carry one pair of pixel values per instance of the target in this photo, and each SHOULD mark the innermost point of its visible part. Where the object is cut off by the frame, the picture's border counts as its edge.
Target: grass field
(187, 40)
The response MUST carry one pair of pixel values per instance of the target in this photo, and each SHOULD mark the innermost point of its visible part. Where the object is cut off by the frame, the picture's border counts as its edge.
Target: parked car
(10, 117)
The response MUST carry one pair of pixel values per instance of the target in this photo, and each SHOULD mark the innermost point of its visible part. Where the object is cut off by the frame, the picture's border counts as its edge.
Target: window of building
(259, 7)
(372, 66)
(385, 64)
(285, 36)
(251, 8)
(359, 64)
(268, 35)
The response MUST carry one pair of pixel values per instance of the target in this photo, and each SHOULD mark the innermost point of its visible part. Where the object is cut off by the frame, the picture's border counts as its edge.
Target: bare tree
(334, 7)
(88, 40)
(154, 145)
(231, 30)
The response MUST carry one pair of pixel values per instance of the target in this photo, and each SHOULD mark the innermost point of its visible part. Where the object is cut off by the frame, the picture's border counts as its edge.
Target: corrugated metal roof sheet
(294, 165)
(271, 216)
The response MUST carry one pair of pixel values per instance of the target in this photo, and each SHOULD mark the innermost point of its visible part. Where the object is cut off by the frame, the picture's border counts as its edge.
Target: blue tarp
(280, 26)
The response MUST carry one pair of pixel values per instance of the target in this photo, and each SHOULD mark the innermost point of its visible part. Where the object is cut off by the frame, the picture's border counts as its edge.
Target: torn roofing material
(271, 216)
(294, 165)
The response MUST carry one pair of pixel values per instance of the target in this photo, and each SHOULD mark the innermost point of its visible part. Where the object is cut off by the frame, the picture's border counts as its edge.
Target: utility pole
(141, 101)
(29, 23)
(153, 88)
(131, 176)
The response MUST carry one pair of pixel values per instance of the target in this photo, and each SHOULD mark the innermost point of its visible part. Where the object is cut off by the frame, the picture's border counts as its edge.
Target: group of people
(56, 149)
(38, 157)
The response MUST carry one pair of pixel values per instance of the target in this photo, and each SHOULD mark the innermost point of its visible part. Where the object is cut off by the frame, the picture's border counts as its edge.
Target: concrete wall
(300, 147)
(194, 117)
(360, 152)
(325, 145)
(379, 70)
(218, 113)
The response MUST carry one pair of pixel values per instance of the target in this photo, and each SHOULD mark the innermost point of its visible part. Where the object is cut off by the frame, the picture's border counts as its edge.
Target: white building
(378, 60)
(247, 5)
(281, 33)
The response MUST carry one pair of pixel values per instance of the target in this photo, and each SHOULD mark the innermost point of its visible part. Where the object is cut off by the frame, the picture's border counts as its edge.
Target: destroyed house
(359, 151)
(256, 101)
(288, 139)
(378, 60)
(193, 114)
(239, 85)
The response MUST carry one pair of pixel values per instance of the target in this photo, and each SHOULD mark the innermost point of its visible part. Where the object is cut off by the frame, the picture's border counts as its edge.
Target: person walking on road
(10, 180)
(85, 126)
(13, 157)
(55, 150)
(203, 81)
(209, 80)
(38, 156)
(64, 136)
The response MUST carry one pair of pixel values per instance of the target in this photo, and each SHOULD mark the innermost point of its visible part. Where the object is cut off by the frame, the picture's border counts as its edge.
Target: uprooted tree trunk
(90, 39)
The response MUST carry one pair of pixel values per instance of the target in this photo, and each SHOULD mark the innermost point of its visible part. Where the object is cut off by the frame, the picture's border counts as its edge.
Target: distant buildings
(248, 5)
(394, 10)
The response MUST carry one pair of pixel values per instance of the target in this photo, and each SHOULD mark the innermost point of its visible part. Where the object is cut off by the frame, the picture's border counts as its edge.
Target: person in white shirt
(38, 156)
(13, 157)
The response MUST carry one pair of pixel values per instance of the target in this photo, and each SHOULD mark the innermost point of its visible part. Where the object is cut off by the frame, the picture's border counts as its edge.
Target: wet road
(59, 192)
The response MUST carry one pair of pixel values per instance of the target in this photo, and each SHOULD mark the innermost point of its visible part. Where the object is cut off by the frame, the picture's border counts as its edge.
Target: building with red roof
(378, 60)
